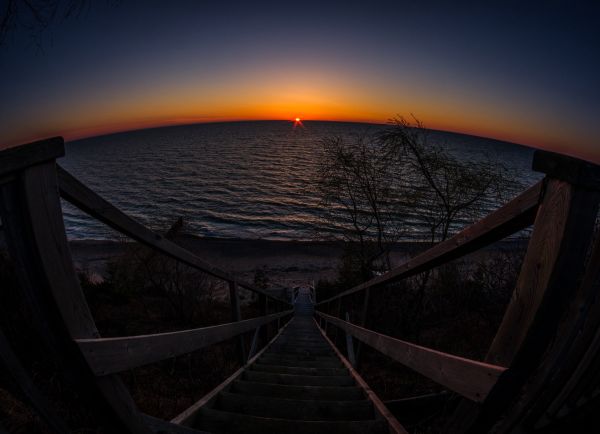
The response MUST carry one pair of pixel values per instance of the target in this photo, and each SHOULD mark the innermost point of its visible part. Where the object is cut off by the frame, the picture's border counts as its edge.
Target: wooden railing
(554, 297)
(541, 364)
(31, 184)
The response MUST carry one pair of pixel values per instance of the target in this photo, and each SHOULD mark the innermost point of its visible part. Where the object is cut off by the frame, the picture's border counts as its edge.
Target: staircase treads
(278, 369)
(303, 363)
(307, 357)
(285, 408)
(299, 380)
(325, 393)
(225, 422)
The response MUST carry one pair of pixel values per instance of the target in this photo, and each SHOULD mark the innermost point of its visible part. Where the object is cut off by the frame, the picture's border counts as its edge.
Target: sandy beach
(285, 263)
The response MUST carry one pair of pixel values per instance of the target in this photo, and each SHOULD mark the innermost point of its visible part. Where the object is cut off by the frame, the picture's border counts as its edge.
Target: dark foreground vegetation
(455, 309)
(143, 293)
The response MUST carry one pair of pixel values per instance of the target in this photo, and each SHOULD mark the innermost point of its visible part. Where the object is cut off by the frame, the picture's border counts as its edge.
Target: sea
(249, 180)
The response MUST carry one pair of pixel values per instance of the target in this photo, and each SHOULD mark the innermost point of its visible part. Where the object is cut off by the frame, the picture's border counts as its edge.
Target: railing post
(548, 282)
(338, 314)
(350, 345)
(262, 306)
(34, 228)
(237, 316)
(254, 343)
(363, 321)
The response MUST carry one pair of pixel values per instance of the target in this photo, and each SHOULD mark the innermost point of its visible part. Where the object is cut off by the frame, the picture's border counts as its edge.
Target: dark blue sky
(520, 71)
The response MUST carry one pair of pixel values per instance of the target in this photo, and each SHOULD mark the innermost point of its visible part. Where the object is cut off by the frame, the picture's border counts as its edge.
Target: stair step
(324, 393)
(299, 380)
(300, 363)
(295, 409)
(292, 341)
(278, 369)
(225, 422)
(302, 352)
(315, 358)
(292, 344)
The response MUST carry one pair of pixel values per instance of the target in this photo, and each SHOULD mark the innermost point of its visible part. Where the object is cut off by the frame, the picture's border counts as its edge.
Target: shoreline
(285, 263)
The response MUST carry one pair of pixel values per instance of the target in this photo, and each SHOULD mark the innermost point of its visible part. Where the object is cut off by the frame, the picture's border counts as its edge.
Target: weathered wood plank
(37, 242)
(88, 201)
(549, 237)
(382, 411)
(549, 278)
(569, 169)
(512, 217)
(571, 357)
(469, 378)
(20, 157)
(110, 355)
(570, 301)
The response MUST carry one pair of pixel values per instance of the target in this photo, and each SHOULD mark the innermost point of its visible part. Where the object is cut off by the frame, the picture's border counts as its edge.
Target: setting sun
(297, 119)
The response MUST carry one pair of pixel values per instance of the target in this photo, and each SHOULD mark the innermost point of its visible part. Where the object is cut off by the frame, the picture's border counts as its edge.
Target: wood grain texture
(569, 169)
(17, 158)
(512, 217)
(110, 355)
(571, 356)
(542, 253)
(548, 282)
(88, 201)
(564, 297)
(37, 240)
(469, 378)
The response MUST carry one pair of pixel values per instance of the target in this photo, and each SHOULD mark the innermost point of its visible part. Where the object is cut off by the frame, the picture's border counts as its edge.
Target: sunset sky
(520, 71)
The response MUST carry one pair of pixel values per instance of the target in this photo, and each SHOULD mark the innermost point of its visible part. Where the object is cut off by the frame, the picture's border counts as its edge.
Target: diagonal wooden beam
(469, 378)
(516, 215)
(90, 202)
(110, 355)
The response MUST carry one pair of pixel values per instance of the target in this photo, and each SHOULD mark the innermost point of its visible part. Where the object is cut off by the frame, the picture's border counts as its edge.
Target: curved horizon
(77, 136)
(514, 72)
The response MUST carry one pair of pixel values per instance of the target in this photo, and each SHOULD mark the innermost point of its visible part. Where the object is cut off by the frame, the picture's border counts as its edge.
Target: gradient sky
(522, 71)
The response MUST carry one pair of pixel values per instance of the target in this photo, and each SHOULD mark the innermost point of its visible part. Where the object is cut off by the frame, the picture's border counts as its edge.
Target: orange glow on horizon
(133, 115)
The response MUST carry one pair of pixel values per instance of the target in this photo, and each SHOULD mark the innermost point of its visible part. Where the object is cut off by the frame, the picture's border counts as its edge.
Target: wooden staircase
(297, 384)
(540, 373)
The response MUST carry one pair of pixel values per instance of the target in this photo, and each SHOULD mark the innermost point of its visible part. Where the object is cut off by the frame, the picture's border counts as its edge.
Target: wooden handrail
(516, 215)
(111, 355)
(75, 192)
(469, 378)
(394, 425)
(20, 157)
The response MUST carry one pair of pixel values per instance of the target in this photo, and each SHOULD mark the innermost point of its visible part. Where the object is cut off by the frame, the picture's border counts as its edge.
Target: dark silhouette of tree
(445, 189)
(36, 17)
(368, 186)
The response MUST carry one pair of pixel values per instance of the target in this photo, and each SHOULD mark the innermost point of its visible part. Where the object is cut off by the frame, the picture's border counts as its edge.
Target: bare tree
(443, 188)
(354, 183)
(368, 185)
(36, 17)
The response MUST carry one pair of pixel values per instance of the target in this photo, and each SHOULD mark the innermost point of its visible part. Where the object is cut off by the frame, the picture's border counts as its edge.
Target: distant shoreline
(287, 263)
